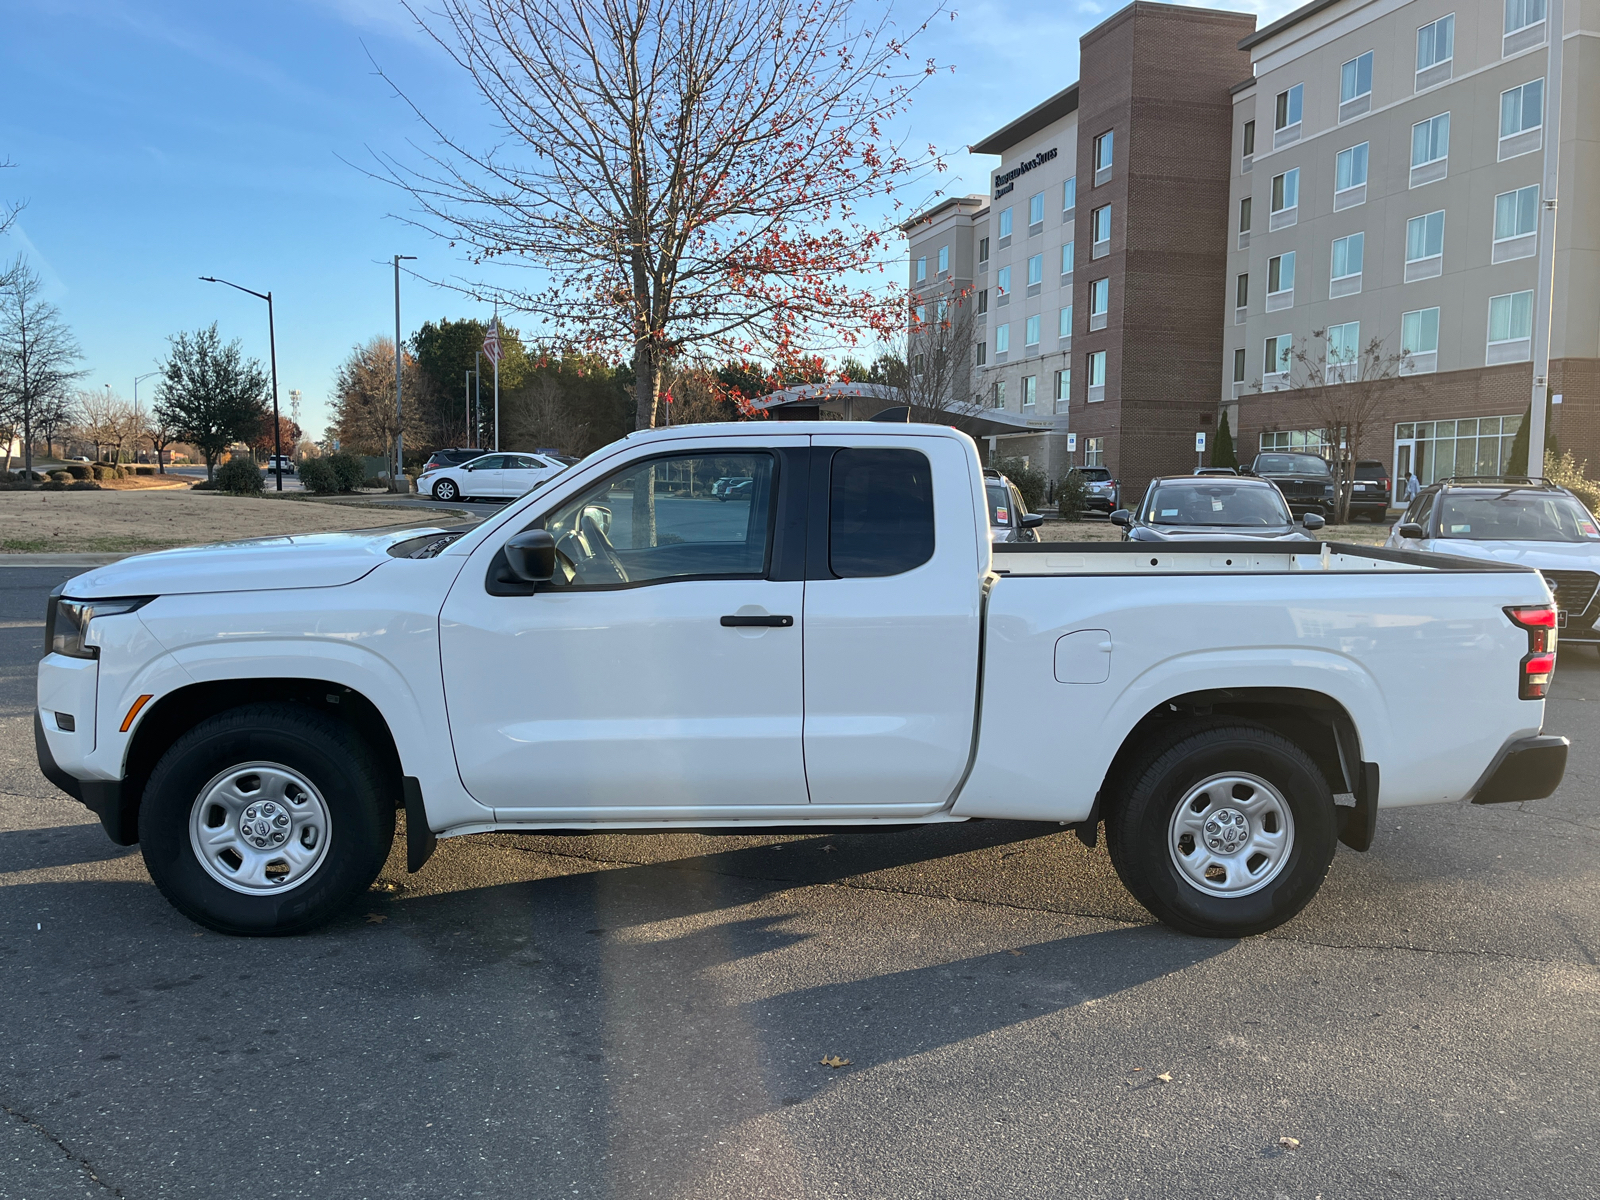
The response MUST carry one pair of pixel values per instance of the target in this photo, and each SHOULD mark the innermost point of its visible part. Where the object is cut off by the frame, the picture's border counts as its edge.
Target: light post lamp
(399, 410)
(272, 343)
(137, 379)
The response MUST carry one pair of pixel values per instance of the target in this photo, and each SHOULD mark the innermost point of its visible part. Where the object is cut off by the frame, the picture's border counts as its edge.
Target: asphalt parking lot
(644, 1016)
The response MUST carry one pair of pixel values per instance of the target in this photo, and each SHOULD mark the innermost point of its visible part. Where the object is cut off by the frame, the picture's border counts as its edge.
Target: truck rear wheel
(1228, 832)
(265, 820)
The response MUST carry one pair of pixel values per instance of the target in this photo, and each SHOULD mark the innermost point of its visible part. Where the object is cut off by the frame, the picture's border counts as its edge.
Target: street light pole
(136, 380)
(1544, 297)
(272, 343)
(399, 409)
(477, 398)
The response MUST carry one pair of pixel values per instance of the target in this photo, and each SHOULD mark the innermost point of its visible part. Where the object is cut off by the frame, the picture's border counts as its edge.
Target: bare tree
(1345, 388)
(37, 351)
(542, 415)
(160, 432)
(363, 406)
(938, 352)
(98, 417)
(680, 173)
(8, 215)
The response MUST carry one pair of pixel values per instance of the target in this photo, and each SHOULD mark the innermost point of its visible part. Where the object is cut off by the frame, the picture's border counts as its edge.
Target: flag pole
(497, 378)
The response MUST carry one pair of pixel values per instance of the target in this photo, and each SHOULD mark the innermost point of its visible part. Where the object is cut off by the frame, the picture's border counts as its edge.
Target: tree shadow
(58, 846)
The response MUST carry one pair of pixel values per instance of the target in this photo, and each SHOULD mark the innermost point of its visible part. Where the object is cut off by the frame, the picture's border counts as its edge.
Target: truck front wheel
(1228, 832)
(264, 820)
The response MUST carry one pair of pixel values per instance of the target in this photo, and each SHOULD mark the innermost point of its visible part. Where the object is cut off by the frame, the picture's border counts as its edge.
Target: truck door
(897, 546)
(661, 669)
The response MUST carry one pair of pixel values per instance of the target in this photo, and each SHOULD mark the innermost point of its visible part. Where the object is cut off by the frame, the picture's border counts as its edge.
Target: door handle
(762, 622)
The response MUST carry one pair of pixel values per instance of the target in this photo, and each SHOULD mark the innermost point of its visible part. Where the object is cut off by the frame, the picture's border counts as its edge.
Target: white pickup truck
(837, 644)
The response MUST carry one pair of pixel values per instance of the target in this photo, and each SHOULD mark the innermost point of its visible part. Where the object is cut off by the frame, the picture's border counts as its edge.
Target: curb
(62, 560)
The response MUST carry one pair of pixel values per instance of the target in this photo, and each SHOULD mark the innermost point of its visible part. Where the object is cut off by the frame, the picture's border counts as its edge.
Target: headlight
(67, 622)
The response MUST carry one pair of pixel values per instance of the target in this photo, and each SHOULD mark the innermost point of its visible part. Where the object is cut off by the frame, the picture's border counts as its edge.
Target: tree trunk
(210, 460)
(27, 448)
(647, 387)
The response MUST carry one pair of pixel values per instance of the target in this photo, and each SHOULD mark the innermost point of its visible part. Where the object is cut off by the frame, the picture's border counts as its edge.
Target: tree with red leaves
(682, 177)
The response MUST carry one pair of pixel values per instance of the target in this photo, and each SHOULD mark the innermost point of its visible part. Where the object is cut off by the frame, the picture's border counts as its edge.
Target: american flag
(491, 341)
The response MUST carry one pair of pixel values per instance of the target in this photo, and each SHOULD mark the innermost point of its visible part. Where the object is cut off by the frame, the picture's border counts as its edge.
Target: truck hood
(310, 560)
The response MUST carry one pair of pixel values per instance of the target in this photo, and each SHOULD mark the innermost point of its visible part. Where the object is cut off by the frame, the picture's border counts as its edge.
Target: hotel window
(1280, 281)
(983, 353)
(944, 259)
(1030, 332)
(1355, 86)
(941, 311)
(1350, 177)
(1436, 48)
(1100, 229)
(1030, 391)
(1425, 246)
(1002, 285)
(1516, 223)
(1035, 270)
(922, 315)
(1285, 200)
(1099, 303)
(1063, 389)
(1245, 206)
(1286, 117)
(916, 364)
(999, 393)
(1094, 452)
(1523, 18)
(1521, 119)
(1066, 259)
(983, 250)
(1241, 298)
(1344, 352)
(1277, 355)
(1344, 279)
(1002, 338)
(922, 269)
(983, 302)
(1238, 369)
(1066, 322)
(1430, 149)
(1005, 223)
(1096, 364)
(1069, 194)
(1510, 327)
(1102, 157)
(1035, 211)
(1249, 141)
(1419, 341)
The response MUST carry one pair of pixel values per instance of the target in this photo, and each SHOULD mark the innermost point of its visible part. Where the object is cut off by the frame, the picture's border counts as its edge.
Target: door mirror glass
(1122, 517)
(1312, 521)
(1412, 530)
(531, 556)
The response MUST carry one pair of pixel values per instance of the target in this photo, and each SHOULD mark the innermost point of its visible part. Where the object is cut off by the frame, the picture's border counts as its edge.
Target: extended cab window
(660, 520)
(880, 512)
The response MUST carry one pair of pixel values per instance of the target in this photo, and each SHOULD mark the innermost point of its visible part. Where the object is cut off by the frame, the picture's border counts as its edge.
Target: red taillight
(1533, 675)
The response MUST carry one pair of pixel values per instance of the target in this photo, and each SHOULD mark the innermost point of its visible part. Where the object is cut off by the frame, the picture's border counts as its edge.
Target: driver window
(492, 463)
(659, 520)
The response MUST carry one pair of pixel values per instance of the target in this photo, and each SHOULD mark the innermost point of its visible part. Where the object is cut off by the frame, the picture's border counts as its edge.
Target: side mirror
(1122, 517)
(1032, 520)
(531, 556)
(1312, 521)
(1412, 530)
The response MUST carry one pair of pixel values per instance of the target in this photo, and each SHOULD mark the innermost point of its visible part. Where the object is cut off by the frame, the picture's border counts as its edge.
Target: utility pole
(1544, 298)
(399, 407)
(477, 400)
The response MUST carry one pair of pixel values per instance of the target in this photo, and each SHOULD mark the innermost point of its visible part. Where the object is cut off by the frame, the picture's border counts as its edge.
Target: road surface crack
(82, 1163)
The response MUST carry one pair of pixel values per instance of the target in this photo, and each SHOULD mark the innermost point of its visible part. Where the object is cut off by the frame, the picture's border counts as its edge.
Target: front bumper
(1526, 769)
(103, 797)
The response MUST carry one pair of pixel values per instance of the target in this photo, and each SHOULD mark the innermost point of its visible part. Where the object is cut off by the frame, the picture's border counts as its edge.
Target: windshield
(1515, 516)
(1216, 504)
(1000, 508)
(1290, 464)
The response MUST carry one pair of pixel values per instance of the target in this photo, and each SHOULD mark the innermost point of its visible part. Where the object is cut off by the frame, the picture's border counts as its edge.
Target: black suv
(1370, 490)
(452, 456)
(1304, 479)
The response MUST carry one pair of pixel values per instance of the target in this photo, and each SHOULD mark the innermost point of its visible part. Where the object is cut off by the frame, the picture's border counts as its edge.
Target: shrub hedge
(239, 477)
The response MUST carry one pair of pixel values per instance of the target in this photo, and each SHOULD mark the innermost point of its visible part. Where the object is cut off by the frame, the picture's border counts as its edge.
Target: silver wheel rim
(445, 491)
(1231, 835)
(259, 827)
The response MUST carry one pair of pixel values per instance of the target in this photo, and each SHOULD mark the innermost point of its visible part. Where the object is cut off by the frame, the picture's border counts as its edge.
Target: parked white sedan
(489, 477)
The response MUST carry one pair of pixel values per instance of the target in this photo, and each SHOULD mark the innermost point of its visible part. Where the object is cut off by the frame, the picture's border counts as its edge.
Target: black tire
(331, 756)
(446, 490)
(1139, 827)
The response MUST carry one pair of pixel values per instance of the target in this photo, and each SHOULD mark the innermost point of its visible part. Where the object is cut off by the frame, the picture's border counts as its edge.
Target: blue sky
(158, 142)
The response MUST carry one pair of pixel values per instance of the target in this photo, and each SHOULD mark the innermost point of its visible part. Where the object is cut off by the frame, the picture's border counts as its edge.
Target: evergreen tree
(210, 393)
(1517, 463)
(1222, 453)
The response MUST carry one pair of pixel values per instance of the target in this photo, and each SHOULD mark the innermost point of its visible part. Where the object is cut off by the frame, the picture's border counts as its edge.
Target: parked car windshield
(1291, 464)
(1516, 516)
(1216, 504)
